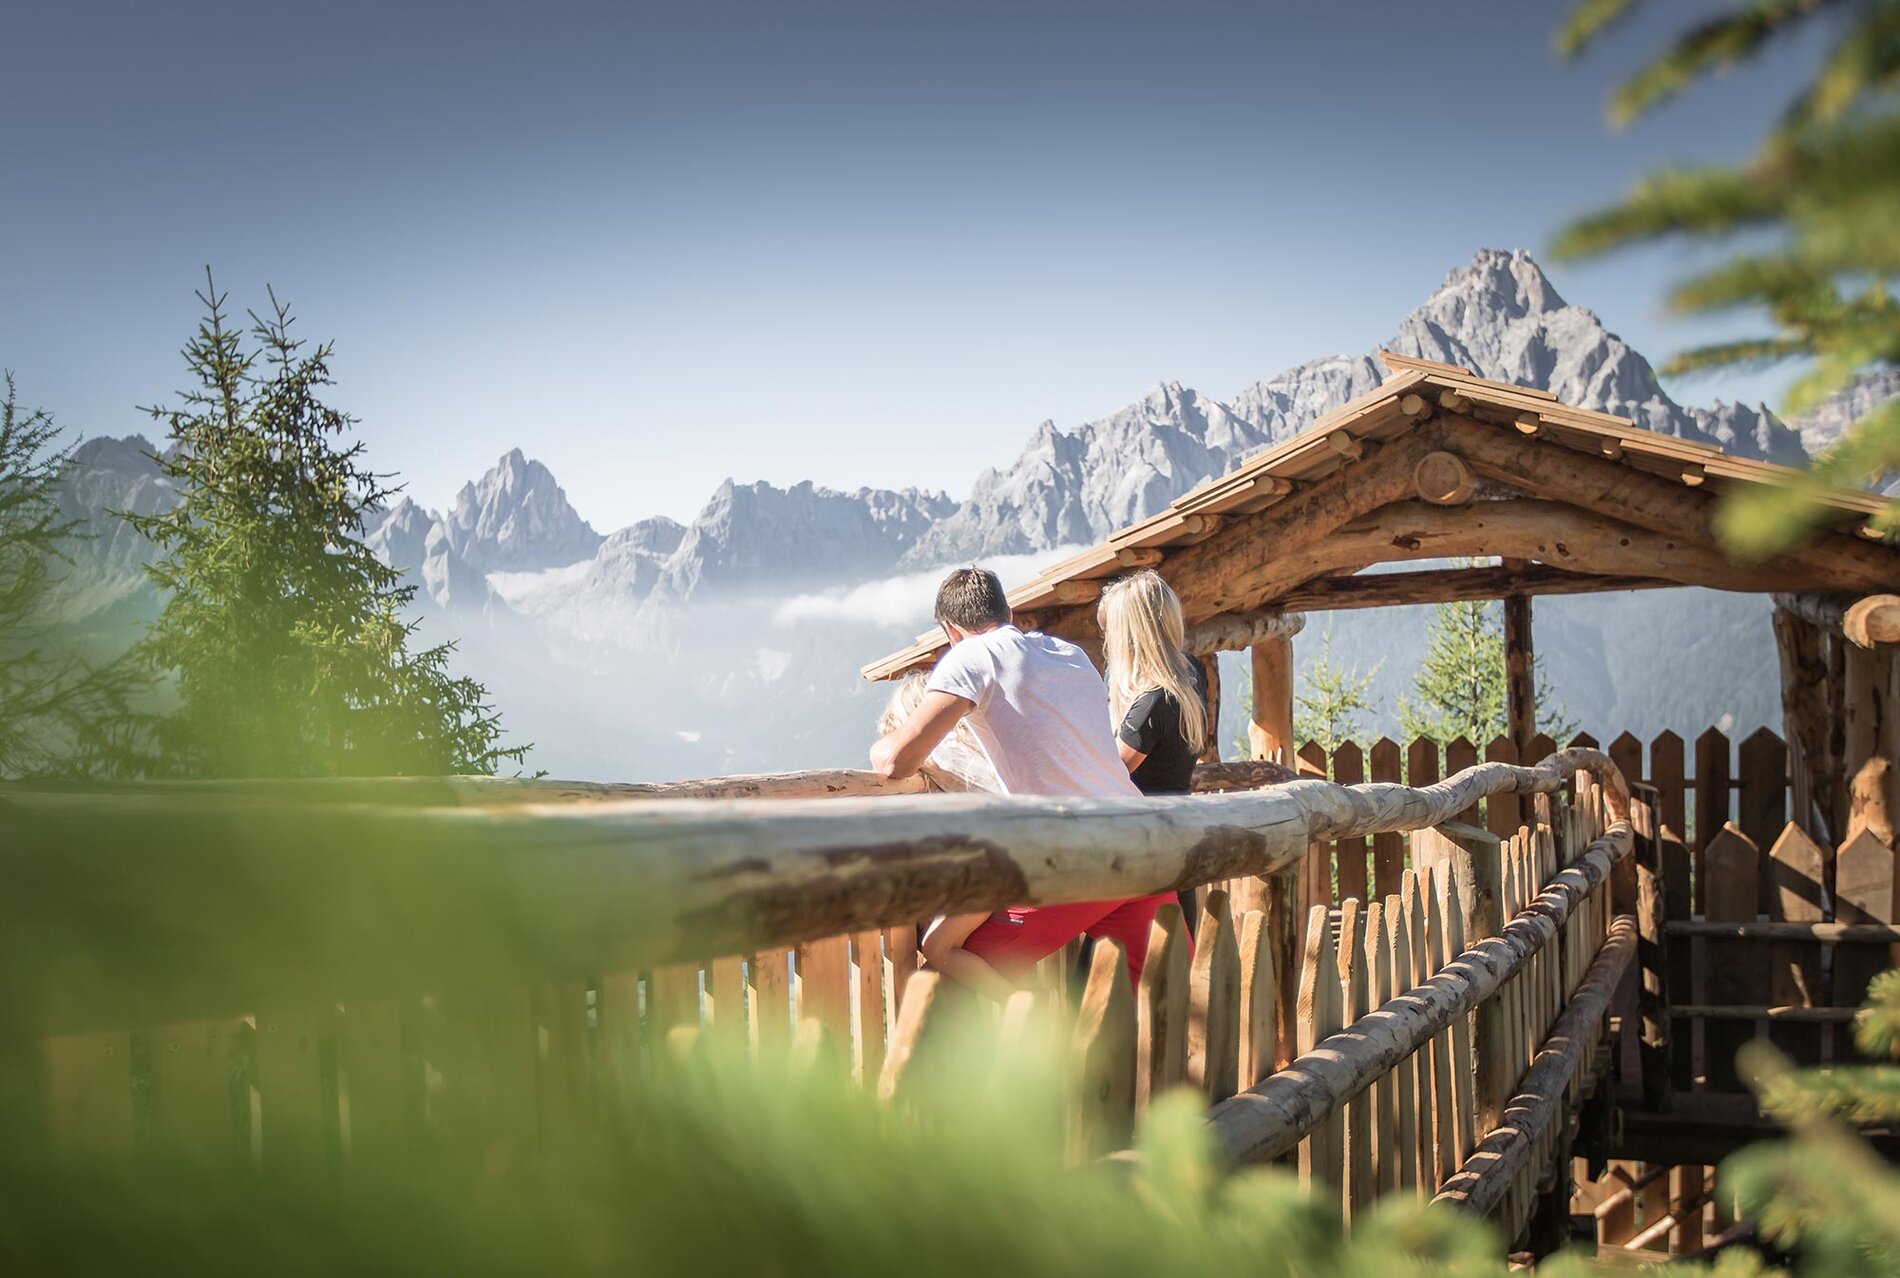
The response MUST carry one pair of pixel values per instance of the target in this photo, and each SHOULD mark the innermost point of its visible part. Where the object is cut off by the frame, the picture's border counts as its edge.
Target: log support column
(1814, 767)
(1210, 670)
(1520, 670)
(1271, 731)
(1270, 736)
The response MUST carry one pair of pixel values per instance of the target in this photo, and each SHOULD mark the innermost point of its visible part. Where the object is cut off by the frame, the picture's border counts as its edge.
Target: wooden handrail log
(1494, 1165)
(127, 892)
(480, 791)
(1819, 933)
(1269, 1120)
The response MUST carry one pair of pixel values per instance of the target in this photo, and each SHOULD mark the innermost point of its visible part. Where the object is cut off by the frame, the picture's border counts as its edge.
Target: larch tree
(1460, 689)
(288, 640)
(1332, 700)
(1813, 214)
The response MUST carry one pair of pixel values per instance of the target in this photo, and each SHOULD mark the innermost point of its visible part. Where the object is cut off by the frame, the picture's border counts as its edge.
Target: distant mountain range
(541, 599)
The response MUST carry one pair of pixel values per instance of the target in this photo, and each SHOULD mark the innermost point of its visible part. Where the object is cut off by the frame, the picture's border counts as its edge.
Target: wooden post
(1520, 670)
(1271, 730)
(1284, 918)
(1210, 670)
(1815, 772)
(1651, 949)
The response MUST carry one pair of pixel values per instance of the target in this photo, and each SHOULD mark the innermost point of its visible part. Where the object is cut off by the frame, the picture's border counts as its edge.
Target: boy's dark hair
(972, 599)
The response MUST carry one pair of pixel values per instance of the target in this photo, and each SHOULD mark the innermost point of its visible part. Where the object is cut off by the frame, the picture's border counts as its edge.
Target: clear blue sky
(655, 245)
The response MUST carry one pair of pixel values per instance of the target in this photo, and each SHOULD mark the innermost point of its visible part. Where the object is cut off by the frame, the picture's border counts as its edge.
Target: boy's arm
(943, 947)
(901, 751)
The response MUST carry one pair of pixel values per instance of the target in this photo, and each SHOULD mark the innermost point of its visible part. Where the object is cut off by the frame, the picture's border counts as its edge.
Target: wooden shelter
(1439, 463)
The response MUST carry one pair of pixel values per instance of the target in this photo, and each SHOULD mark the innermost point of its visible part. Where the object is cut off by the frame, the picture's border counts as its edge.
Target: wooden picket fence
(1769, 931)
(1438, 1041)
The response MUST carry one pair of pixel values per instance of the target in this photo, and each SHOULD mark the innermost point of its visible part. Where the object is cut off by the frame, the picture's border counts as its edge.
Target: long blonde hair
(1143, 637)
(959, 756)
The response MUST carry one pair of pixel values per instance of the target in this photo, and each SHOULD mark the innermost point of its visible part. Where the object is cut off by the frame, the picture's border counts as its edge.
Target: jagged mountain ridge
(1499, 316)
(666, 650)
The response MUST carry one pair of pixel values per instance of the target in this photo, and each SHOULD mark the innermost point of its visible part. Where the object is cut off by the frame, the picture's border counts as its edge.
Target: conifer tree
(1332, 699)
(1811, 213)
(287, 638)
(61, 714)
(1460, 687)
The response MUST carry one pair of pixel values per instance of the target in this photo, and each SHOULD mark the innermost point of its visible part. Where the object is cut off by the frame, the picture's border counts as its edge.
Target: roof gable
(1445, 407)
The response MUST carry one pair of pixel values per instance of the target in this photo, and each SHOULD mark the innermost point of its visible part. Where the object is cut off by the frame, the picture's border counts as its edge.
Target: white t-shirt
(1041, 713)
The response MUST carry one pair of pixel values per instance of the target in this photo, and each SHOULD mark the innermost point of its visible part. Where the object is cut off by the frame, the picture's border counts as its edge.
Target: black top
(1153, 726)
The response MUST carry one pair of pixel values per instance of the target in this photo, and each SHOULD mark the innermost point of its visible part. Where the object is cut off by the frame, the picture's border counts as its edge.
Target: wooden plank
(771, 999)
(1626, 752)
(1762, 802)
(867, 959)
(1713, 771)
(1349, 855)
(900, 961)
(1161, 1006)
(1385, 762)
(1463, 1058)
(922, 1029)
(486, 1052)
(1667, 773)
(1284, 919)
(1653, 991)
(374, 1084)
(87, 1096)
(725, 1000)
(194, 1101)
(1214, 1010)
(1321, 1012)
(1361, 1167)
(1434, 1079)
(564, 1069)
(1797, 866)
(1447, 1061)
(1385, 1089)
(1733, 863)
(1421, 762)
(824, 987)
(1503, 813)
(1316, 869)
(1459, 755)
(1103, 1055)
(294, 1114)
(618, 1037)
(1864, 877)
(1259, 993)
(1679, 951)
(672, 1001)
(1405, 1075)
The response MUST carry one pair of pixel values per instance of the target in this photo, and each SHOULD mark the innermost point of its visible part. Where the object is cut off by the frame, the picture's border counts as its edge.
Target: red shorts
(1014, 941)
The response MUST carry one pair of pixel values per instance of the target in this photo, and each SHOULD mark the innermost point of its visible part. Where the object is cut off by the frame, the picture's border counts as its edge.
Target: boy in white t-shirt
(1040, 711)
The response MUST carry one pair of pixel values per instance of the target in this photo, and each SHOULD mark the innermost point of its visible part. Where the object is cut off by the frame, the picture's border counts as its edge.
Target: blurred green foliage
(712, 1164)
(1818, 204)
(286, 637)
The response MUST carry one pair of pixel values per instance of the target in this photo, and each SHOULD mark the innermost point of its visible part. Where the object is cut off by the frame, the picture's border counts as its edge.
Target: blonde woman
(1157, 693)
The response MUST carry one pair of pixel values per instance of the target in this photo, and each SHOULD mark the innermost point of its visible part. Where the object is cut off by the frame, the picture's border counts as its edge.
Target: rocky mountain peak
(517, 518)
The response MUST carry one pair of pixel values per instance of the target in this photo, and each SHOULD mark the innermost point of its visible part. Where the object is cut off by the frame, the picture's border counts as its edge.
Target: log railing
(515, 939)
